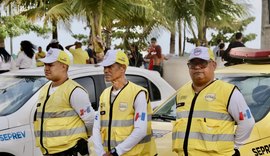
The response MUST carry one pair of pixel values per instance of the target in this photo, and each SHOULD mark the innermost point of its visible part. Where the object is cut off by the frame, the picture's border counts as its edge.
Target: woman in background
(6, 60)
(25, 57)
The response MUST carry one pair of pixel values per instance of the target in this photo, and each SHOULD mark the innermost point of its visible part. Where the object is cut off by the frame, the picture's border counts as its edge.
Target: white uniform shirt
(81, 104)
(138, 133)
(237, 108)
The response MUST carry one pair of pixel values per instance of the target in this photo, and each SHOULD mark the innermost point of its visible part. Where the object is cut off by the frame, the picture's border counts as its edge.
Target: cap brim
(47, 60)
(106, 63)
(199, 58)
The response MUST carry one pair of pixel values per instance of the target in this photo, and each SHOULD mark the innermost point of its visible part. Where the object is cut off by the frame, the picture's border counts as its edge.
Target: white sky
(77, 27)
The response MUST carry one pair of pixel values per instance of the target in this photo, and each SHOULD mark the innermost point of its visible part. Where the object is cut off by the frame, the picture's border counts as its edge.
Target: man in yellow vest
(123, 123)
(39, 55)
(80, 56)
(207, 110)
(64, 117)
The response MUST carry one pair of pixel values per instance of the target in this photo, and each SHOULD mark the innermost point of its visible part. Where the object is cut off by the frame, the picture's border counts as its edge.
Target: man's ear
(214, 64)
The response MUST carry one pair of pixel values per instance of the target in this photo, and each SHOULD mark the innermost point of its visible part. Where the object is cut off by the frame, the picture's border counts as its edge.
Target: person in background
(155, 56)
(54, 44)
(40, 54)
(125, 104)
(6, 60)
(25, 58)
(89, 50)
(216, 48)
(234, 44)
(208, 110)
(80, 56)
(64, 117)
(135, 57)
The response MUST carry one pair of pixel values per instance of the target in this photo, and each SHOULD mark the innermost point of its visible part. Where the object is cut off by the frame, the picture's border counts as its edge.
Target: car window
(169, 107)
(89, 85)
(256, 91)
(16, 91)
(153, 90)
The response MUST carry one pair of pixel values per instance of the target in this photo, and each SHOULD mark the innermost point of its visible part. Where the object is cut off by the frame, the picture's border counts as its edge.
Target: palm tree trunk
(95, 22)
(54, 30)
(172, 42)
(180, 37)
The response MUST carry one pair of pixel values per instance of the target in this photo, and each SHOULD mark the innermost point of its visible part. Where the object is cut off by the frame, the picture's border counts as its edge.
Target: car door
(94, 84)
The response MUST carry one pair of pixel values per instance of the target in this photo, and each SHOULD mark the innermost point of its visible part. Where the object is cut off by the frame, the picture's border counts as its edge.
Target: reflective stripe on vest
(114, 143)
(203, 136)
(205, 114)
(57, 114)
(59, 133)
(121, 123)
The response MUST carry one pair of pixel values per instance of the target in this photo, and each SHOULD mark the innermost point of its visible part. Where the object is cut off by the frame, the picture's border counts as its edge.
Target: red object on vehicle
(250, 53)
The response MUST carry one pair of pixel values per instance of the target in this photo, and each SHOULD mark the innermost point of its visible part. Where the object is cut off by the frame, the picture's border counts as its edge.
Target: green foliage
(227, 33)
(82, 38)
(12, 26)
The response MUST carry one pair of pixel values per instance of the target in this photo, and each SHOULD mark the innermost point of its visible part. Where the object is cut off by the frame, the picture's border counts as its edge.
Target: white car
(19, 92)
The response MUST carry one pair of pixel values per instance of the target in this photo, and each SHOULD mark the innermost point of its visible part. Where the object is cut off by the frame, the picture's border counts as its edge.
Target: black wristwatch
(114, 152)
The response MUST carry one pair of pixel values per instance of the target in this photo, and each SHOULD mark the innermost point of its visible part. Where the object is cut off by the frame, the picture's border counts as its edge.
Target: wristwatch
(113, 152)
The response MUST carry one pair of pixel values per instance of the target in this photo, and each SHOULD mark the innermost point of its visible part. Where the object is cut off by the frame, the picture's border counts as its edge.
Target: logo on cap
(197, 52)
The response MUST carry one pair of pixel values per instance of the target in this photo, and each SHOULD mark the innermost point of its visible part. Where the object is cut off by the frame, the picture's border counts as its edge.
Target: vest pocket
(37, 128)
(208, 134)
(55, 134)
(178, 135)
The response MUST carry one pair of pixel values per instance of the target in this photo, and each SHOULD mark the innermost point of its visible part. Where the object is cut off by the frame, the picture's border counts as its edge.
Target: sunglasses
(201, 64)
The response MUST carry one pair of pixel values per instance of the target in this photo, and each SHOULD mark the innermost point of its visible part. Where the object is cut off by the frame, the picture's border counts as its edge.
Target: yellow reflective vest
(38, 56)
(203, 125)
(57, 127)
(117, 120)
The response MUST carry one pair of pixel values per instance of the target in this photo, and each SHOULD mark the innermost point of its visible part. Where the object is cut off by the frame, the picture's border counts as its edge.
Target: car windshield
(15, 91)
(256, 91)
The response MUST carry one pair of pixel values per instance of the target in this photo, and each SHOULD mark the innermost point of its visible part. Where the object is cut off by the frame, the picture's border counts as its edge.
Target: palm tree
(102, 13)
(51, 11)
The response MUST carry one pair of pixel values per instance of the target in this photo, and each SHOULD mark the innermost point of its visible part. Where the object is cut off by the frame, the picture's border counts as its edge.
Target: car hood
(4, 123)
(162, 132)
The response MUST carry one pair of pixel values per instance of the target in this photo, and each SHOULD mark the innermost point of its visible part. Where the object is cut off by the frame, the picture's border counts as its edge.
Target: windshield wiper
(163, 117)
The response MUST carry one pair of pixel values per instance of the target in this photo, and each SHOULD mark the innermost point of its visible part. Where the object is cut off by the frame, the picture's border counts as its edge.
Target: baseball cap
(54, 41)
(114, 56)
(54, 55)
(202, 53)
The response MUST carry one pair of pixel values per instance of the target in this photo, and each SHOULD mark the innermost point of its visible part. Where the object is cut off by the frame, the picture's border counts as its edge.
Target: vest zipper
(42, 120)
(111, 114)
(185, 145)
(110, 122)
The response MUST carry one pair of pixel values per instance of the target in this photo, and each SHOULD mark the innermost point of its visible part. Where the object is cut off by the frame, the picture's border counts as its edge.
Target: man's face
(201, 71)
(114, 72)
(153, 42)
(54, 71)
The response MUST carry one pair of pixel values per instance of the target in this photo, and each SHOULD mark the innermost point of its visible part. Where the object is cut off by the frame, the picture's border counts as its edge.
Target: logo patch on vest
(181, 104)
(210, 97)
(123, 106)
